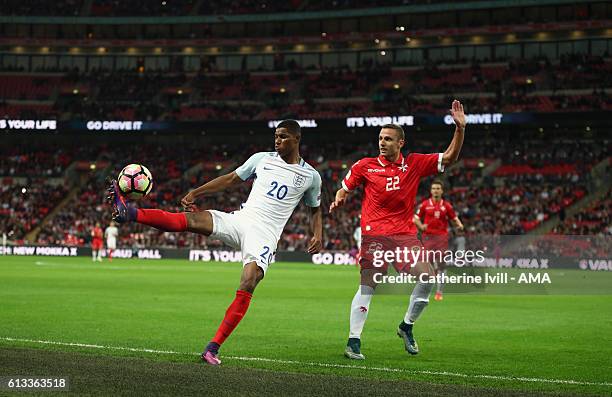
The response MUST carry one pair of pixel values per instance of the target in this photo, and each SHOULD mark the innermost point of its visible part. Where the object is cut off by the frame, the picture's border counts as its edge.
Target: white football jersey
(111, 233)
(278, 188)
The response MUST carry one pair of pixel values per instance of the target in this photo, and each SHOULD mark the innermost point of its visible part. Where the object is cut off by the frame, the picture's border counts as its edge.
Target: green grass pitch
(298, 322)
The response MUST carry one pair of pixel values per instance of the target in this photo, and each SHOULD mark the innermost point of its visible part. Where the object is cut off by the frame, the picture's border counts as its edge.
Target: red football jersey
(390, 190)
(436, 216)
(97, 233)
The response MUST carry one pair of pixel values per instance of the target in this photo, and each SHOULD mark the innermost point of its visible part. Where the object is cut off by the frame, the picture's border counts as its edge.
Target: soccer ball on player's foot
(135, 181)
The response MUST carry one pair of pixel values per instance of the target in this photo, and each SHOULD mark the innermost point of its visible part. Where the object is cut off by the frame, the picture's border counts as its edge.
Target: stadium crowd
(594, 219)
(24, 205)
(529, 186)
(529, 182)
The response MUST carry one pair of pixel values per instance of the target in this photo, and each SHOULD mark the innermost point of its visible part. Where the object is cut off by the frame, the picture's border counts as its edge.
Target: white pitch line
(324, 365)
(48, 342)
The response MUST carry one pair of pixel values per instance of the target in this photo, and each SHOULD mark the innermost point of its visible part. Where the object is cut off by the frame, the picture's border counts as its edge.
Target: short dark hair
(438, 182)
(397, 128)
(292, 126)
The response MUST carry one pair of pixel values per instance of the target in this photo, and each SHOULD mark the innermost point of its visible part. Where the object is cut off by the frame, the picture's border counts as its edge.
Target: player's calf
(233, 315)
(252, 274)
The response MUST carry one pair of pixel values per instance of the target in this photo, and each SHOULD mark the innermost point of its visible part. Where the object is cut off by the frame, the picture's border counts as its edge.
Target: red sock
(235, 312)
(110, 255)
(162, 220)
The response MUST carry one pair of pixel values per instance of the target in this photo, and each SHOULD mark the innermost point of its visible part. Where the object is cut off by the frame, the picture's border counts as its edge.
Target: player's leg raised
(159, 219)
(200, 222)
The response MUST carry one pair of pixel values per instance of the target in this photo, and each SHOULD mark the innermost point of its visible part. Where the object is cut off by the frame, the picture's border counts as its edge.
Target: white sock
(419, 299)
(359, 310)
(93, 255)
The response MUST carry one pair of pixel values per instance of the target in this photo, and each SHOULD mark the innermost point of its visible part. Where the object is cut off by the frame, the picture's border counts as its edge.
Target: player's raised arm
(218, 184)
(452, 152)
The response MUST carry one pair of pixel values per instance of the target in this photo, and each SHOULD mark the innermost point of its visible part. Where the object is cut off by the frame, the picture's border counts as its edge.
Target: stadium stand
(567, 84)
(149, 77)
(595, 219)
(530, 186)
(22, 208)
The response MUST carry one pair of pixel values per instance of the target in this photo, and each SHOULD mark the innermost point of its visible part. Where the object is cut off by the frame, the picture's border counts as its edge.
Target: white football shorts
(256, 242)
(111, 244)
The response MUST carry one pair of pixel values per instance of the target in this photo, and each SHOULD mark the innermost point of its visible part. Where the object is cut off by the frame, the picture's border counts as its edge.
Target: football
(135, 181)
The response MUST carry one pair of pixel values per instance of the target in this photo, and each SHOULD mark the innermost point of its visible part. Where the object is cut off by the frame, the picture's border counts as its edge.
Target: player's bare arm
(316, 228)
(420, 225)
(457, 223)
(452, 152)
(340, 199)
(218, 184)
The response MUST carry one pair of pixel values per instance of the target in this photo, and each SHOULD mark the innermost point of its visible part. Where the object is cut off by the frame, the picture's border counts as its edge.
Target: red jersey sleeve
(450, 211)
(421, 211)
(354, 177)
(427, 164)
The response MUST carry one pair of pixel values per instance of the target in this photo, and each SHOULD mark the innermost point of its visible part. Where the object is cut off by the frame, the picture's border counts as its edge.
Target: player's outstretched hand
(334, 205)
(315, 245)
(188, 202)
(338, 201)
(458, 114)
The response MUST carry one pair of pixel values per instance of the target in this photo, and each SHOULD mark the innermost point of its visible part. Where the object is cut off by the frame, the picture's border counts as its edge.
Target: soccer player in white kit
(281, 179)
(111, 234)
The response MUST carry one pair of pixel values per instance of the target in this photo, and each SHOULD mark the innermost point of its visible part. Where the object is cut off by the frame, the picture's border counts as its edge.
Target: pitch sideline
(315, 364)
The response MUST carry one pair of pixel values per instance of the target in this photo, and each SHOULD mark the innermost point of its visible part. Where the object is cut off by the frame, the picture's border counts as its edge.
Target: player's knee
(367, 277)
(251, 276)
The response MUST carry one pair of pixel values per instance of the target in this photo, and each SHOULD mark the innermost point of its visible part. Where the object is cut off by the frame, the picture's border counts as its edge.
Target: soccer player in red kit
(96, 243)
(432, 218)
(390, 186)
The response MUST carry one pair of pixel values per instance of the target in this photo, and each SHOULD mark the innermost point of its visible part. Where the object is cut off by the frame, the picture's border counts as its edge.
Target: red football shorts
(377, 252)
(436, 242)
(96, 244)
